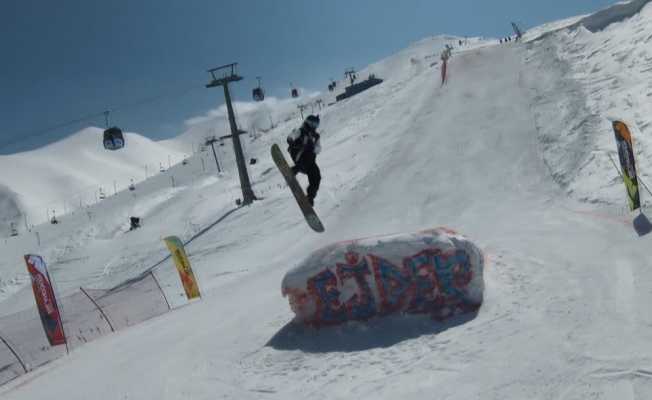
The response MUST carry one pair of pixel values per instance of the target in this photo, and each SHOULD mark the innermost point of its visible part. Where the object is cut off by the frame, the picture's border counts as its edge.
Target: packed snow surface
(511, 152)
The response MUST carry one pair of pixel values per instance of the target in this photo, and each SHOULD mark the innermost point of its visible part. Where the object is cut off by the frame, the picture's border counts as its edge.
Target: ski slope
(67, 175)
(510, 152)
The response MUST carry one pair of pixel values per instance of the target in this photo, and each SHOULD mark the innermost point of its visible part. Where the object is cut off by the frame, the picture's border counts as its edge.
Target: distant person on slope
(303, 147)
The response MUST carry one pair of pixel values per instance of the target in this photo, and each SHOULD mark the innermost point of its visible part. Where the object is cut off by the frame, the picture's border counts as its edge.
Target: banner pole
(61, 312)
(615, 166)
(623, 178)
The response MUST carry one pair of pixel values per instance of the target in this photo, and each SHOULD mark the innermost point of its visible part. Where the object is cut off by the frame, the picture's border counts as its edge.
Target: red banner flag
(46, 303)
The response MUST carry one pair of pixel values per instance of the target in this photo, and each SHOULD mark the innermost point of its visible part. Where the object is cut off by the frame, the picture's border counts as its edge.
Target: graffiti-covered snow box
(436, 272)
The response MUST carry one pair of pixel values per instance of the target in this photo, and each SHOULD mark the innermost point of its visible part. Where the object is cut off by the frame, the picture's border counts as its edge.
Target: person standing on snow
(446, 54)
(303, 146)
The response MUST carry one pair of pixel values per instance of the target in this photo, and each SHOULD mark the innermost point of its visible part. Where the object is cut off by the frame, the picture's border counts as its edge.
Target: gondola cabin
(294, 93)
(258, 94)
(114, 139)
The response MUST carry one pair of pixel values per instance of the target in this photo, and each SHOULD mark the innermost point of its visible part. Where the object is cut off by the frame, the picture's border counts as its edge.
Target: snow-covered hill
(509, 152)
(580, 80)
(67, 175)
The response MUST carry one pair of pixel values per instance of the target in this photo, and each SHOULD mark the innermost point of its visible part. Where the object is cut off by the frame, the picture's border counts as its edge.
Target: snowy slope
(65, 174)
(581, 80)
(501, 153)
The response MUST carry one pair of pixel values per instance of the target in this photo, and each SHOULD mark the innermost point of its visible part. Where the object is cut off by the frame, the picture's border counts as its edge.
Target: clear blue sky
(62, 60)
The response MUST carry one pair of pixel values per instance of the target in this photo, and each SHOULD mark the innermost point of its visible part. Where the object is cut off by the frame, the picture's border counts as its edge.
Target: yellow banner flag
(183, 266)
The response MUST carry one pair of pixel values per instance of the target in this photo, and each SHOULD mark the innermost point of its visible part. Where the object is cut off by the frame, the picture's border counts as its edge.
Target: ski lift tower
(211, 140)
(221, 76)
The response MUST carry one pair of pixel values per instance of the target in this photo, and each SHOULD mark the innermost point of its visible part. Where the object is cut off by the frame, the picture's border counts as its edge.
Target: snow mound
(9, 209)
(68, 174)
(254, 117)
(437, 272)
(581, 80)
(616, 13)
(592, 22)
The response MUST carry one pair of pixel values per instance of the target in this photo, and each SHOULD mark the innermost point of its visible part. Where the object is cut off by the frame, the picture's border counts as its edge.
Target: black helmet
(312, 121)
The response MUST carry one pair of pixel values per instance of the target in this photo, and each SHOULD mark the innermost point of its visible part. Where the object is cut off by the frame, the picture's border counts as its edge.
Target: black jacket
(304, 145)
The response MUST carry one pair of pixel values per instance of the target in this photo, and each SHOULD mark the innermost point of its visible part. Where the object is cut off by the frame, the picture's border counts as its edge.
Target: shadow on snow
(642, 225)
(359, 336)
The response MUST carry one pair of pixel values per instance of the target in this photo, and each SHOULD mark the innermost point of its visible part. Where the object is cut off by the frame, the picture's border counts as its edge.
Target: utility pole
(211, 141)
(229, 75)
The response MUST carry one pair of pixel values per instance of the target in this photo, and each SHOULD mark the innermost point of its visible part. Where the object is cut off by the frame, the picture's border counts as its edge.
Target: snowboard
(308, 212)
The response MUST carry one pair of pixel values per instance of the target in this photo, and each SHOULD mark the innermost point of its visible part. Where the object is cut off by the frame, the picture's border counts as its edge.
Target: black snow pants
(311, 169)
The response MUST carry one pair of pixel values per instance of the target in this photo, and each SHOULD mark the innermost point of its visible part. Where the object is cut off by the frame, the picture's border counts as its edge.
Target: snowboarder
(134, 223)
(303, 146)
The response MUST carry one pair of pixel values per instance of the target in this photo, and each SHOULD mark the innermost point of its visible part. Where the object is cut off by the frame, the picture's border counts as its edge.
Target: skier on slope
(303, 146)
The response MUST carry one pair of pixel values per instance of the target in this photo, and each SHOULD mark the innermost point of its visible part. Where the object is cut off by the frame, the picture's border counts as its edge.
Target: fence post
(108, 321)
(161, 289)
(14, 353)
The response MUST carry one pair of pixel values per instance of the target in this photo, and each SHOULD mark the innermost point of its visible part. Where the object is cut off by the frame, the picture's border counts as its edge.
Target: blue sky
(67, 59)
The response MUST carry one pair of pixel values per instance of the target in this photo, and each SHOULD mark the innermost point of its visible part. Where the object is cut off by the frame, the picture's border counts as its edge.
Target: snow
(67, 175)
(602, 19)
(510, 153)
(435, 272)
(582, 81)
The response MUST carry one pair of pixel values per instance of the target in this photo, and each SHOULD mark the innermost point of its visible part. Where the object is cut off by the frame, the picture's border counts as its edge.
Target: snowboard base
(308, 211)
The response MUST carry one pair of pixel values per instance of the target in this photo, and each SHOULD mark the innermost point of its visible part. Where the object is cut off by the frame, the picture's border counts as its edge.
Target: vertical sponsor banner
(46, 303)
(183, 266)
(627, 164)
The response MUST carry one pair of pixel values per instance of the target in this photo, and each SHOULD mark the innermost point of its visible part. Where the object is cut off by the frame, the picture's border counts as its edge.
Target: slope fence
(87, 314)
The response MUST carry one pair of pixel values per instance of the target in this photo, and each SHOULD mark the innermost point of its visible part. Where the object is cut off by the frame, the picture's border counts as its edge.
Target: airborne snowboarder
(303, 146)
